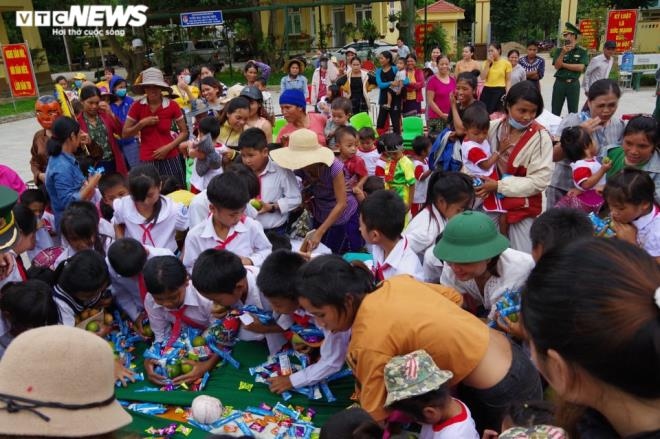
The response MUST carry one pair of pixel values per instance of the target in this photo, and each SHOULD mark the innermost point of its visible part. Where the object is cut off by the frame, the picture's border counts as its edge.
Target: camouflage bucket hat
(412, 374)
(534, 432)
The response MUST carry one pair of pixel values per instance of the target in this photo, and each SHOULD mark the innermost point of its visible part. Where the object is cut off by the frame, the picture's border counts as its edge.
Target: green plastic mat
(223, 385)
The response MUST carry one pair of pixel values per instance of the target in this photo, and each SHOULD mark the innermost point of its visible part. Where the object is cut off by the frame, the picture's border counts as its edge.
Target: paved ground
(16, 137)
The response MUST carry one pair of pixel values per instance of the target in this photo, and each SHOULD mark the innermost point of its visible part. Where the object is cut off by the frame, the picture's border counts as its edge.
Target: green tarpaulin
(224, 386)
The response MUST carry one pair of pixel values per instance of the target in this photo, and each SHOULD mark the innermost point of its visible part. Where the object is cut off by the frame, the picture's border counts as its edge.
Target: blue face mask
(517, 125)
(121, 92)
(78, 83)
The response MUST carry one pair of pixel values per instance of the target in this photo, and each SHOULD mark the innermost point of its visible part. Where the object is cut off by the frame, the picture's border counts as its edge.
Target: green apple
(198, 341)
(186, 368)
(93, 326)
(174, 370)
(146, 330)
(257, 204)
(193, 356)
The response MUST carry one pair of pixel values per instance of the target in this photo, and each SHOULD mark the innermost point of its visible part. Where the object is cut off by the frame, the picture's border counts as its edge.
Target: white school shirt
(43, 238)
(199, 210)
(514, 267)
(255, 297)
(126, 290)
(421, 166)
(432, 267)
(370, 159)
(246, 239)
(474, 153)
(401, 260)
(198, 309)
(460, 426)
(423, 229)
(584, 169)
(648, 232)
(279, 186)
(331, 359)
(173, 216)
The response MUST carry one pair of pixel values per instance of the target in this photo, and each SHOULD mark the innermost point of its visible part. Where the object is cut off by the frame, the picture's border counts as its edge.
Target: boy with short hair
(341, 110)
(556, 227)
(395, 168)
(382, 217)
(227, 228)
(171, 303)
(112, 186)
(367, 150)
(421, 146)
(279, 190)
(46, 237)
(261, 84)
(220, 276)
(276, 280)
(420, 389)
(354, 167)
(126, 260)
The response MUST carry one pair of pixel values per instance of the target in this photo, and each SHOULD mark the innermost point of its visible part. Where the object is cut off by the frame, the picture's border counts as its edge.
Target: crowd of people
(510, 288)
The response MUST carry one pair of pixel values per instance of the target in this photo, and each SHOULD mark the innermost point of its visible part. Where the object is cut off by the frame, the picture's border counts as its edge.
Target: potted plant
(392, 18)
(351, 31)
(369, 31)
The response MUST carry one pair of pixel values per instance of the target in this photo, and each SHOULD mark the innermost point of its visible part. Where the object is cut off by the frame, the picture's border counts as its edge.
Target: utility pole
(411, 17)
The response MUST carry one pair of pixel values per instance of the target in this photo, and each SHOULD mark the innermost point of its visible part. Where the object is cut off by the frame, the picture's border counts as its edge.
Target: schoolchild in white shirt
(228, 228)
(382, 217)
(276, 280)
(279, 192)
(220, 276)
(35, 200)
(172, 304)
(26, 225)
(126, 260)
(146, 215)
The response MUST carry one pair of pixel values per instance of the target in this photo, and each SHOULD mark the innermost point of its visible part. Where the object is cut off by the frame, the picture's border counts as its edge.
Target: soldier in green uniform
(570, 61)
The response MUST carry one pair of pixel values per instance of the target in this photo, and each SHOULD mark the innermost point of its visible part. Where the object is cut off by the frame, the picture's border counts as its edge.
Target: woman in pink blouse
(438, 90)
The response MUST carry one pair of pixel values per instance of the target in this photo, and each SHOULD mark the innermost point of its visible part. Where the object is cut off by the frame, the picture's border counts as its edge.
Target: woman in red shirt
(152, 117)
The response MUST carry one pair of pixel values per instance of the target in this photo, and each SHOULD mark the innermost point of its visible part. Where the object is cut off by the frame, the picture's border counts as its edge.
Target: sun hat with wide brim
(232, 92)
(80, 75)
(301, 63)
(150, 76)
(470, 237)
(59, 381)
(8, 228)
(303, 150)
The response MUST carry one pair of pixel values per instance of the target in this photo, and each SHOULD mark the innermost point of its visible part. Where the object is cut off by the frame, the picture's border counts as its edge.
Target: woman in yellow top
(186, 93)
(496, 73)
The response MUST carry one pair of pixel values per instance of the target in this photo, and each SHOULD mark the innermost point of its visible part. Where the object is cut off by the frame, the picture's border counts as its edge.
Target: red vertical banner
(589, 30)
(20, 73)
(621, 25)
(420, 37)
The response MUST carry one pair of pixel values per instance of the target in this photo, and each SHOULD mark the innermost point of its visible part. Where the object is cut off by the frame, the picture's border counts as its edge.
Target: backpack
(445, 154)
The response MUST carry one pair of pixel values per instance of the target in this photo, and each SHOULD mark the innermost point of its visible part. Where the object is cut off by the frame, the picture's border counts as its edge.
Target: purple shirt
(324, 193)
(441, 97)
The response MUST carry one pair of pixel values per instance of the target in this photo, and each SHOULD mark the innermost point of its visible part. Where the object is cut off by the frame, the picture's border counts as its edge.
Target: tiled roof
(441, 6)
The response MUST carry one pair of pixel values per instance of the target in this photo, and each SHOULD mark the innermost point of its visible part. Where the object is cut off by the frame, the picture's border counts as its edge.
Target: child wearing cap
(228, 228)
(382, 217)
(397, 170)
(420, 389)
(279, 192)
(332, 204)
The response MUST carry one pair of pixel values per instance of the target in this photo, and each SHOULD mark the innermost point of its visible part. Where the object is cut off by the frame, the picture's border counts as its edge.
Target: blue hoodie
(120, 107)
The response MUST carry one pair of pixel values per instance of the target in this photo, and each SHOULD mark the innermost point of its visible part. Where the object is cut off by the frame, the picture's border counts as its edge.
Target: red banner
(19, 70)
(420, 35)
(589, 29)
(621, 25)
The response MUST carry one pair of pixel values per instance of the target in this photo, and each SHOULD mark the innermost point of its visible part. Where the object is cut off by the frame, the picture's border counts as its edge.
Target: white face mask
(517, 125)
(186, 79)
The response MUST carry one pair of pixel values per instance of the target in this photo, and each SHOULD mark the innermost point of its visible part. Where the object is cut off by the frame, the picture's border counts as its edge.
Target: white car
(364, 49)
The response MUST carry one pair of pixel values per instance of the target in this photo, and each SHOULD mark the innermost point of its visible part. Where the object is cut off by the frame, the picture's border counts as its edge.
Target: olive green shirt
(578, 55)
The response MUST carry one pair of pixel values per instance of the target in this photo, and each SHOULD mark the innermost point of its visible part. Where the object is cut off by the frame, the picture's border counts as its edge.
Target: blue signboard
(203, 18)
